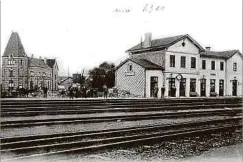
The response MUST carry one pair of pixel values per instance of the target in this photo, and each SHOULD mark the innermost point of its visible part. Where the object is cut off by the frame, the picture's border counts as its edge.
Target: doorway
(183, 87)
(234, 87)
(153, 84)
(221, 87)
(172, 88)
(203, 87)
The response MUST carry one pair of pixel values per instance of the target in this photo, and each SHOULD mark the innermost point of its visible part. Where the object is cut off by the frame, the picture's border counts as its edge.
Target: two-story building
(20, 70)
(182, 66)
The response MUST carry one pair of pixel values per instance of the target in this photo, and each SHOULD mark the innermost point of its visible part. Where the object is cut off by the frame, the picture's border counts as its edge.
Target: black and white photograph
(121, 81)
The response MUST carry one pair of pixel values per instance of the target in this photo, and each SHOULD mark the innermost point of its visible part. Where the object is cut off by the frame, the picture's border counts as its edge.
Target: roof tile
(14, 46)
(219, 54)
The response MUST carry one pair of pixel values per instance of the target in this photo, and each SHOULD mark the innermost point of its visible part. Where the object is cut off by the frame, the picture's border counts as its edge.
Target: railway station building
(180, 67)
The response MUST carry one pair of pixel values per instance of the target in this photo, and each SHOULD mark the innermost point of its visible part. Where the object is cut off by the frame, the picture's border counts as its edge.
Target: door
(31, 85)
(172, 88)
(234, 88)
(183, 87)
(221, 87)
(203, 87)
(153, 84)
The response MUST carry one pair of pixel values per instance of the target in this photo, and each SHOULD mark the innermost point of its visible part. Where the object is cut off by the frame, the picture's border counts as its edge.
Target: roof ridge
(170, 36)
(223, 50)
(164, 43)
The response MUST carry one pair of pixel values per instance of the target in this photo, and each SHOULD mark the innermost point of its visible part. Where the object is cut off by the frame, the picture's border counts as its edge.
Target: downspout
(145, 83)
(52, 80)
(226, 79)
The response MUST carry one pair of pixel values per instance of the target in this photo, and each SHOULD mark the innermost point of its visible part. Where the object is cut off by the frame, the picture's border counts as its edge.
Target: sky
(83, 34)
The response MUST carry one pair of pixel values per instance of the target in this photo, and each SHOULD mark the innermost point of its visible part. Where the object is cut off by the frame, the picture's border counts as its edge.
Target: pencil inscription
(147, 8)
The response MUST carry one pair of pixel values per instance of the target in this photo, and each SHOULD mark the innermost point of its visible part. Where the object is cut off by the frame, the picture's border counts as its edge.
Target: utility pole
(68, 76)
(81, 79)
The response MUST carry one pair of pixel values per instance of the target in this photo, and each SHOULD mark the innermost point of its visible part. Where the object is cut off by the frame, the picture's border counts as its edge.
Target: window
(183, 61)
(11, 83)
(234, 66)
(11, 73)
(203, 64)
(221, 66)
(21, 62)
(129, 71)
(172, 60)
(212, 85)
(212, 65)
(192, 85)
(129, 68)
(193, 62)
(11, 61)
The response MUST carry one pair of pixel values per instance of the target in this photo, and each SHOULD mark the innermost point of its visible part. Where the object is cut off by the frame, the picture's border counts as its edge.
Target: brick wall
(19, 74)
(133, 81)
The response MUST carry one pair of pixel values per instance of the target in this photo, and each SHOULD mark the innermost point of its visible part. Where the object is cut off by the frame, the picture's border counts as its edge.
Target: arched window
(10, 84)
(11, 72)
(11, 60)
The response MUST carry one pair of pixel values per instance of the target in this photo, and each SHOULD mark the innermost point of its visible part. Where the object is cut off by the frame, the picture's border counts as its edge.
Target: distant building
(20, 70)
(183, 66)
(77, 78)
(64, 82)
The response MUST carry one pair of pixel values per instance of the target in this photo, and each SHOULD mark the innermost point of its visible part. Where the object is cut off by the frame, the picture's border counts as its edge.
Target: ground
(223, 147)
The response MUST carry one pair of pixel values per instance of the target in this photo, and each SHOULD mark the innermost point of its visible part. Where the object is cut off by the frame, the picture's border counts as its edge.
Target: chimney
(147, 40)
(45, 60)
(40, 57)
(32, 55)
(208, 48)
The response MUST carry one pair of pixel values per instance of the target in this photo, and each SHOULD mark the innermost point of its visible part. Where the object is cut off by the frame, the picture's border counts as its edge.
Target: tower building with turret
(21, 71)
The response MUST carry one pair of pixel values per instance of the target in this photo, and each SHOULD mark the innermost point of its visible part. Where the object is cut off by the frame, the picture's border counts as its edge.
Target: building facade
(21, 71)
(182, 66)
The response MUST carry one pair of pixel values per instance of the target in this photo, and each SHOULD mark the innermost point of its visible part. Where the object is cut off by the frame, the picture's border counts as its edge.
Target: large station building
(20, 70)
(182, 66)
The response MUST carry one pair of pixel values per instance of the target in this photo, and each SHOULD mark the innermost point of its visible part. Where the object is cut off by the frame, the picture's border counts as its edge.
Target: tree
(104, 74)
(79, 78)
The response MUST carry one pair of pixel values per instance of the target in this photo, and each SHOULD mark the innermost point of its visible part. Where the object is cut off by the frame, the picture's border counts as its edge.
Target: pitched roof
(142, 62)
(50, 62)
(219, 54)
(14, 46)
(35, 62)
(164, 43)
(62, 79)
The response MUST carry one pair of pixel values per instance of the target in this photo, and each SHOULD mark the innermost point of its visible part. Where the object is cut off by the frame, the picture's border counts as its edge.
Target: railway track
(111, 102)
(28, 108)
(29, 111)
(96, 119)
(44, 145)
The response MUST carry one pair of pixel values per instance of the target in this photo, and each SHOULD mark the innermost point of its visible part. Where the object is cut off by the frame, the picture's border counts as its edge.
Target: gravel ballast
(196, 148)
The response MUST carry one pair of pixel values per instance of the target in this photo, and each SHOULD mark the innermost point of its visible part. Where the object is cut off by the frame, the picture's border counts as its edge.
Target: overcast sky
(82, 34)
